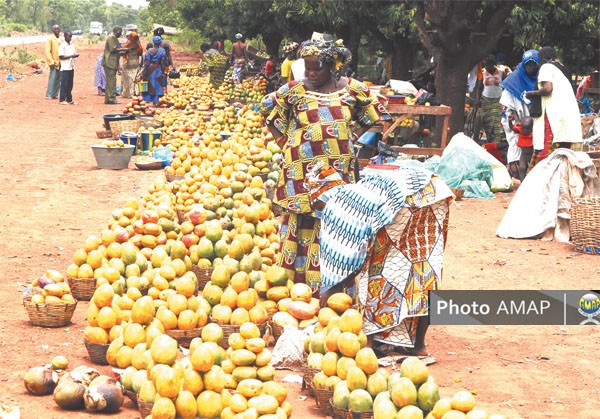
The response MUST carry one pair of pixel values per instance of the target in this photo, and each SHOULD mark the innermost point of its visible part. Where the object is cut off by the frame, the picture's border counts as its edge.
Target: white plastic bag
(289, 349)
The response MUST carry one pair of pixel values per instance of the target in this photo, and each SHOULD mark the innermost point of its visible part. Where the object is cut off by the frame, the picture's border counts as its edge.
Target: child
(525, 142)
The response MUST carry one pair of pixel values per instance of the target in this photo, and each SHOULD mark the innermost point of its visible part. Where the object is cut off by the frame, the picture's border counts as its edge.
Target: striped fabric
(355, 213)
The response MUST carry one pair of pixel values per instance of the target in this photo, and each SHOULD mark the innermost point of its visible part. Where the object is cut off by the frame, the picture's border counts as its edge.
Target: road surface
(24, 40)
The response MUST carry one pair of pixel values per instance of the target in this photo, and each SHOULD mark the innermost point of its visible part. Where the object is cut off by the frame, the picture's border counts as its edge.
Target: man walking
(238, 57)
(111, 65)
(67, 55)
(53, 62)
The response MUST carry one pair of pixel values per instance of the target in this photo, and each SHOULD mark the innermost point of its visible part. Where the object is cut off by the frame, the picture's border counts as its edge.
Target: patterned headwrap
(329, 52)
(156, 40)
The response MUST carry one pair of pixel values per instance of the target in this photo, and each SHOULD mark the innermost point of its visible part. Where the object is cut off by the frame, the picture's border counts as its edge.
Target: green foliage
(537, 24)
(69, 14)
(16, 27)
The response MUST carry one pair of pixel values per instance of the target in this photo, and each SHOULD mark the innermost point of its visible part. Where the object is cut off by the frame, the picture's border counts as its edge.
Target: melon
(360, 401)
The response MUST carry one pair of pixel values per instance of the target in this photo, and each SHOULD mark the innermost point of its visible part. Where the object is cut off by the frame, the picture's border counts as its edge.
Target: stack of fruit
(51, 288)
(295, 305)
(138, 106)
(232, 299)
(104, 317)
(409, 394)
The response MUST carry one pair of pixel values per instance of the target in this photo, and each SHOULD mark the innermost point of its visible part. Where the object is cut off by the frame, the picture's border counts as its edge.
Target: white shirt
(560, 107)
(491, 84)
(65, 49)
(298, 69)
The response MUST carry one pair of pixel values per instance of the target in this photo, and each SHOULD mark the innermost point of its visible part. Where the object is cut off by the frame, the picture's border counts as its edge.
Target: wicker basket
(184, 337)
(173, 178)
(132, 395)
(145, 408)
(117, 127)
(309, 374)
(82, 288)
(203, 275)
(322, 398)
(343, 413)
(97, 352)
(49, 315)
(585, 225)
(229, 329)
(276, 330)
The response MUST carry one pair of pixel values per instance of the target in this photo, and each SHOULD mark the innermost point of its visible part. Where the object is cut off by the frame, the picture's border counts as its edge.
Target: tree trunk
(351, 36)
(272, 41)
(451, 85)
(403, 58)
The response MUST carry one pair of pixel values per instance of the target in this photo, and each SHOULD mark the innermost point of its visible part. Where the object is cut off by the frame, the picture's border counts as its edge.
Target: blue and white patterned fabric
(353, 215)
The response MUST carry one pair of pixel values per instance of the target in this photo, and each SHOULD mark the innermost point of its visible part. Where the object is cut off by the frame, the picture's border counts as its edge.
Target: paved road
(22, 40)
(25, 40)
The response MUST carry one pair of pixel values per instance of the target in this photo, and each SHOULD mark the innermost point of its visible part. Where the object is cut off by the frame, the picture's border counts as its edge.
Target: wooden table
(400, 112)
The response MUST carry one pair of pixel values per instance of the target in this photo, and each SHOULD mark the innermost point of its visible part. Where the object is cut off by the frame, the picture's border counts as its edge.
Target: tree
(458, 35)
(536, 24)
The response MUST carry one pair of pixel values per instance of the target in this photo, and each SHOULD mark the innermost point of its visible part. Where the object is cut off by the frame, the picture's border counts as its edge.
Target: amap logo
(589, 307)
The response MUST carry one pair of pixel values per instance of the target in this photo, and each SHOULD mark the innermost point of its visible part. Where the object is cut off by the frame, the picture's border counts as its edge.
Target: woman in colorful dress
(99, 76)
(131, 63)
(491, 108)
(311, 121)
(154, 64)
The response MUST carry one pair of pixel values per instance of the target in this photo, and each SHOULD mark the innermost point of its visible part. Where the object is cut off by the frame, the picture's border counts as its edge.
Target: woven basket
(203, 275)
(82, 288)
(309, 374)
(117, 127)
(276, 330)
(229, 329)
(145, 408)
(322, 398)
(173, 178)
(585, 225)
(343, 413)
(132, 395)
(49, 315)
(97, 352)
(184, 337)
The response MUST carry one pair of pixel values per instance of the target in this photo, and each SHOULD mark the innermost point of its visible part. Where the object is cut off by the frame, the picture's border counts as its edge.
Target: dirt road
(52, 197)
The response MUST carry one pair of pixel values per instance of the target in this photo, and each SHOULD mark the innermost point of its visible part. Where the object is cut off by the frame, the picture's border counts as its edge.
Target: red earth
(53, 196)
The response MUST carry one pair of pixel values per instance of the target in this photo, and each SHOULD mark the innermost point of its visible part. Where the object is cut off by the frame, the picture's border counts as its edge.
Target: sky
(136, 4)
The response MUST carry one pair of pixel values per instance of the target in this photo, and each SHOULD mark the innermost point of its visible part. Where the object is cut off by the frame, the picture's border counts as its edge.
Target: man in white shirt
(67, 55)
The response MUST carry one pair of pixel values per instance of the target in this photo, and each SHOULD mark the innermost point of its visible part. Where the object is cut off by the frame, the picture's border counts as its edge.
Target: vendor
(310, 120)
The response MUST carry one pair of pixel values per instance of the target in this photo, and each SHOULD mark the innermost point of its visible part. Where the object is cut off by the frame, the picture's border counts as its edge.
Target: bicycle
(473, 122)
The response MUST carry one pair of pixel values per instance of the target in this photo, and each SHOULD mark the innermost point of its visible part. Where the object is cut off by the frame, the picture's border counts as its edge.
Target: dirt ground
(52, 197)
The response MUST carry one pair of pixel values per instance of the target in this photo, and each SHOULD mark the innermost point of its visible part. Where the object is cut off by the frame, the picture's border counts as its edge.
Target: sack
(535, 109)
(174, 74)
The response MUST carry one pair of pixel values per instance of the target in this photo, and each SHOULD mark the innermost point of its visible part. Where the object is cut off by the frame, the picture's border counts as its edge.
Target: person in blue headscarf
(155, 63)
(516, 105)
